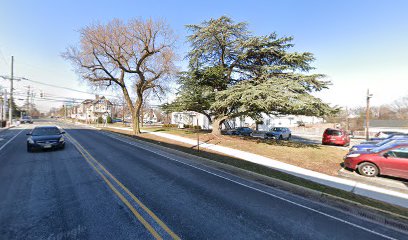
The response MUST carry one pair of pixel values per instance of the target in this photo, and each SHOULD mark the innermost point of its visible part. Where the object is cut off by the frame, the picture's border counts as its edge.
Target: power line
(66, 88)
(4, 58)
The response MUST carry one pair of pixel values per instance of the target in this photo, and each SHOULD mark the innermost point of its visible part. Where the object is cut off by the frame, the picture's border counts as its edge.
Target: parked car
(45, 137)
(301, 124)
(389, 159)
(370, 145)
(258, 134)
(333, 136)
(115, 120)
(279, 133)
(242, 131)
(26, 119)
(384, 135)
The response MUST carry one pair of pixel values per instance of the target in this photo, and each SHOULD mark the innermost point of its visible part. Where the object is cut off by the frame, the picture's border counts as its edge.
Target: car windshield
(46, 131)
(333, 132)
(389, 133)
(277, 129)
(383, 142)
(385, 146)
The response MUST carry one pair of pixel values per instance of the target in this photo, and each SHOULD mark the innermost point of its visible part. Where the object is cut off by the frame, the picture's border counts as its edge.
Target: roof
(46, 127)
(388, 123)
(87, 101)
(101, 98)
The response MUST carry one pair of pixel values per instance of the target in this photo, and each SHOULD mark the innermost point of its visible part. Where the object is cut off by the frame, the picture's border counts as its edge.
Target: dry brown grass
(324, 159)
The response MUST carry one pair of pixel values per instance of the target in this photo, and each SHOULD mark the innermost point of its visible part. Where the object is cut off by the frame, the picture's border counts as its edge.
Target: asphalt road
(104, 186)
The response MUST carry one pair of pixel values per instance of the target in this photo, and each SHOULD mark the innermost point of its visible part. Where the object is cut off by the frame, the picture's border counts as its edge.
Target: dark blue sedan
(45, 137)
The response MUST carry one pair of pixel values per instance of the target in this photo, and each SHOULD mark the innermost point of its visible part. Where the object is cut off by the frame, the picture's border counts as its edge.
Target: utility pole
(368, 114)
(28, 101)
(65, 111)
(2, 110)
(11, 91)
(4, 105)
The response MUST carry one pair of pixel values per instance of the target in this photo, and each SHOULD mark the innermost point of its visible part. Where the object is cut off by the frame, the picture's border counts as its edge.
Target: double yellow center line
(121, 191)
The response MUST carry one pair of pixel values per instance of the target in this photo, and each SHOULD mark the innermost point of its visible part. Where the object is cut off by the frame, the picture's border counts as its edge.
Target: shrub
(170, 125)
(100, 120)
(108, 119)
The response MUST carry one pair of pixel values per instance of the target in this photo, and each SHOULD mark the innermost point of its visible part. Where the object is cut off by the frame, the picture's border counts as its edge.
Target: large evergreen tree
(233, 73)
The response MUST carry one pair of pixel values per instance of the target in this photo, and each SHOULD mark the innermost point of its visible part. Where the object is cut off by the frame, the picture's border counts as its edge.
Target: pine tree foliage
(233, 73)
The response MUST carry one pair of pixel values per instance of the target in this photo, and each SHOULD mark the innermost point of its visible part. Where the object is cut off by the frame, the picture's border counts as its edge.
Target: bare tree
(400, 107)
(136, 56)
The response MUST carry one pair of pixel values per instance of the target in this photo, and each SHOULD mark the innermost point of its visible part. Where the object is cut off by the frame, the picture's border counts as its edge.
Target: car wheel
(290, 135)
(280, 137)
(368, 169)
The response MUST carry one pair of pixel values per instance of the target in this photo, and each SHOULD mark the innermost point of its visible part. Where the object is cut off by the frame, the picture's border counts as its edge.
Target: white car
(386, 134)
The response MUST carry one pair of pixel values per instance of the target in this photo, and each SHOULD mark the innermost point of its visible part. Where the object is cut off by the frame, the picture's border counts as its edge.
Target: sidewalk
(6, 128)
(374, 192)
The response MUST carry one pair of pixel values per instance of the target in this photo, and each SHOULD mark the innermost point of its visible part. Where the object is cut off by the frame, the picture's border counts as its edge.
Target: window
(399, 152)
(44, 131)
(333, 132)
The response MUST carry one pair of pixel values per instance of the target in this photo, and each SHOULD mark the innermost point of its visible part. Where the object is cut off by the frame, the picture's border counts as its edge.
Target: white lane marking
(259, 190)
(11, 139)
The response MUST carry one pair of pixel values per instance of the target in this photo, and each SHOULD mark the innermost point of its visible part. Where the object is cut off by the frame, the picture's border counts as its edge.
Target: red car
(332, 136)
(389, 159)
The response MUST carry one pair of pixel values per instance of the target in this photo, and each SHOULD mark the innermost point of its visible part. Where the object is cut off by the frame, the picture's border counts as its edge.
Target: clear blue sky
(358, 44)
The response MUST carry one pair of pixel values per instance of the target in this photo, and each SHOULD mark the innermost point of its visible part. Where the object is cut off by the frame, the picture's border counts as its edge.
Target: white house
(190, 118)
(90, 110)
(269, 121)
(150, 116)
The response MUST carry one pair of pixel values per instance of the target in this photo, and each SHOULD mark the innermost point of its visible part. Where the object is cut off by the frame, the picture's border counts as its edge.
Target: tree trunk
(141, 117)
(216, 125)
(135, 112)
(136, 115)
(135, 122)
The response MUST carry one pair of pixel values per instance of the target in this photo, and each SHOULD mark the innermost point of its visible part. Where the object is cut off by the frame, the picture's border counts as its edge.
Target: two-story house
(90, 110)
